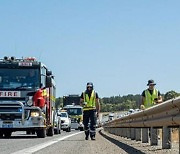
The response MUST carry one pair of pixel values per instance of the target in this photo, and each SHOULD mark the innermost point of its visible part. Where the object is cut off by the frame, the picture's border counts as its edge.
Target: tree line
(122, 103)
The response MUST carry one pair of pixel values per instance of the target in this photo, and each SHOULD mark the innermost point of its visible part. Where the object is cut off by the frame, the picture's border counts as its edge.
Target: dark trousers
(89, 121)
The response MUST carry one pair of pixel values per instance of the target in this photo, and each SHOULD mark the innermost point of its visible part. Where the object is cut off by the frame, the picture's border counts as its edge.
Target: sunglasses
(151, 84)
(89, 87)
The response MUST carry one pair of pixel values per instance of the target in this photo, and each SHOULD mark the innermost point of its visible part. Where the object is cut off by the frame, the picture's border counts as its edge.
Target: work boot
(93, 138)
(87, 134)
(87, 137)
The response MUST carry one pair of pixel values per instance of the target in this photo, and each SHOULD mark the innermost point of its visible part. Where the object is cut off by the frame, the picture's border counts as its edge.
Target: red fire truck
(27, 97)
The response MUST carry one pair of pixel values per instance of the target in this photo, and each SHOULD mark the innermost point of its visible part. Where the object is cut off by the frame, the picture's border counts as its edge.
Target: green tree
(58, 102)
(171, 94)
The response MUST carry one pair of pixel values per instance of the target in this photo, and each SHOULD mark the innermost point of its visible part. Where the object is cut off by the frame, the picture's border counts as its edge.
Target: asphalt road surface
(74, 143)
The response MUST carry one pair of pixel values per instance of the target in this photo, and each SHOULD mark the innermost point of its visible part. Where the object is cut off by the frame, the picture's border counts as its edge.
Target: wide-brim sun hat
(151, 82)
(89, 84)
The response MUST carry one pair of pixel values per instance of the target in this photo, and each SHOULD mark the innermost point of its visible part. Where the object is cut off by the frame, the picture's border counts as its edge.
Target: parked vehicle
(111, 116)
(65, 122)
(71, 103)
(76, 115)
(71, 100)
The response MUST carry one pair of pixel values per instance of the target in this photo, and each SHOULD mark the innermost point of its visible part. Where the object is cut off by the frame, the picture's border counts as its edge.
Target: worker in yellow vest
(150, 96)
(91, 108)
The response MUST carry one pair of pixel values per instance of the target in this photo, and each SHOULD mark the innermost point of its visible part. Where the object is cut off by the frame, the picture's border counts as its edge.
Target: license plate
(74, 120)
(7, 125)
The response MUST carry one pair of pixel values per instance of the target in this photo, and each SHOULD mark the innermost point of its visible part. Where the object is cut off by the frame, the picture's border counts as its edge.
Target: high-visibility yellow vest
(149, 99)
(90, 102)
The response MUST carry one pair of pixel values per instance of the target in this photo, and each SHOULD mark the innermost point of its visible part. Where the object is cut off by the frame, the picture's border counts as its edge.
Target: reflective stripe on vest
(91, 102)
(149, 99)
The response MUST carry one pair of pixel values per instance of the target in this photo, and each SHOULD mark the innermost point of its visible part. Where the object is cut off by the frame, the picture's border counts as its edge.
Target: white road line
(43, 145)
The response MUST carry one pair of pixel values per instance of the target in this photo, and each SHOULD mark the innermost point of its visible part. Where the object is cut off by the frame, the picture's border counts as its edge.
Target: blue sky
(116, 44)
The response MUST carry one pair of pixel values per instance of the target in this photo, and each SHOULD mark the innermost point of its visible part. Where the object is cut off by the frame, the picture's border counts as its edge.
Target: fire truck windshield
(19, 78)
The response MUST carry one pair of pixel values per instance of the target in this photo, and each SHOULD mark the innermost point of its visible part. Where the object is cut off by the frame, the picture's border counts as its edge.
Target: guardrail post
(154, 136)
(132, 133)
(117, 131)
(110, 130)
(124, 132)
(145, 135)
(121, 132)
(114, 131)
(128, 132)
(138, 134)
(166, 138)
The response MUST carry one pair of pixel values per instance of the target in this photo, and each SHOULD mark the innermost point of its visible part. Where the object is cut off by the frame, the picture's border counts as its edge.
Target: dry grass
(174, 134)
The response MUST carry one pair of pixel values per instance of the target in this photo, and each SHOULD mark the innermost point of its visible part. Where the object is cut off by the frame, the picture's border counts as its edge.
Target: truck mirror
(48, 82)
(49, 73)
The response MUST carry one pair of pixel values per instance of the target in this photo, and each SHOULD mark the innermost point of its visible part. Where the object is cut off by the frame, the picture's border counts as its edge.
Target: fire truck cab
(27, 97)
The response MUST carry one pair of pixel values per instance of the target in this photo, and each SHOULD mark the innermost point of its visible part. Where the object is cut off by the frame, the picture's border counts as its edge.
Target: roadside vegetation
(122, 103)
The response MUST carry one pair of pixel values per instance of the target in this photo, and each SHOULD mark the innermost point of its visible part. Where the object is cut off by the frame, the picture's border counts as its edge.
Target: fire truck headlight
(30, 101)
(34, 114)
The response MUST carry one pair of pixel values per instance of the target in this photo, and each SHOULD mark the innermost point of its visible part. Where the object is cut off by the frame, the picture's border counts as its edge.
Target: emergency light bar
(29, 59)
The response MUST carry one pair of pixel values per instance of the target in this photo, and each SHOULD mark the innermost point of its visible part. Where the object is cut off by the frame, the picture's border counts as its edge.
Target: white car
(65, 122)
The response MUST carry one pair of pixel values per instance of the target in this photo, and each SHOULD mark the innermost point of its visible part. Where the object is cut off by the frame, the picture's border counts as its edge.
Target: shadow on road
(125, 147)
(72, 140)
(19, 137)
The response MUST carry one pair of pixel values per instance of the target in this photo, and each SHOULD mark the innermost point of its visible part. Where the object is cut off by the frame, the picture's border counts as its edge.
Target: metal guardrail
(136, 125)
(164, 114)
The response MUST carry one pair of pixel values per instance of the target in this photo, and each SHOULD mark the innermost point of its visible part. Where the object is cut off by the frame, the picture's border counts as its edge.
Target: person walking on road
(91, 109)
(150, 96)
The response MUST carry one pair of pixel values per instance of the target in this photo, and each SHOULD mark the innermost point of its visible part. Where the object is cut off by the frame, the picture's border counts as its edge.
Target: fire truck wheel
(56, 131)
(81, 129)
(1, 134)
(41, 133)
(50, 131)
(7, 134)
